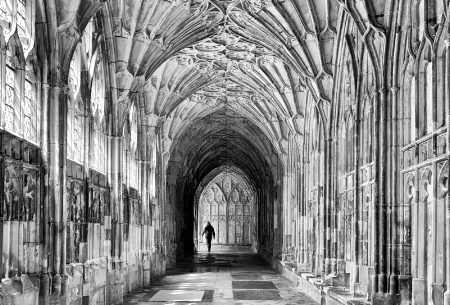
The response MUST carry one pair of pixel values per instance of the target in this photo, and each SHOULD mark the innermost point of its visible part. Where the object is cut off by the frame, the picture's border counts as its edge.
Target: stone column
(163, 237)
(306, 171)
(300, 199)
(395, 199)
(46, 267)
(116, 194)
(107, 243)
(114, 222)
(383, 231)
(320, 215)
(326, 267)
(289, 202)
(379, 281)
(286, 219)
(157, 261)
(56, 187)
(147, 137)
(447, 224)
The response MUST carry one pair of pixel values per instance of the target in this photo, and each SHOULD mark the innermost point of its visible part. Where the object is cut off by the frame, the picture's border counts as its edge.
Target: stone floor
(220, 278)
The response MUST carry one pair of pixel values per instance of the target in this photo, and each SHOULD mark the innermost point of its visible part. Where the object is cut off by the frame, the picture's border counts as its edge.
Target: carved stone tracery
(227, 202)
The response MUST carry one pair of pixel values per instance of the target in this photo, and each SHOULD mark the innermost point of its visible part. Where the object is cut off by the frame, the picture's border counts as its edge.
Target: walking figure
(209, 233)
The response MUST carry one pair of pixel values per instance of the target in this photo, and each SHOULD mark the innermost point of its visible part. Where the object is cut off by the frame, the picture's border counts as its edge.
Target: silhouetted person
(209, 233)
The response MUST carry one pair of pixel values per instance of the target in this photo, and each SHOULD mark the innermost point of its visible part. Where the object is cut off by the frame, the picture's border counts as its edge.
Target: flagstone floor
(220, 278)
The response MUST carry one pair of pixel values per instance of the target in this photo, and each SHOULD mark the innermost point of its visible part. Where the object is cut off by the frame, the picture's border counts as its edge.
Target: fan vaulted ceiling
(187, 59)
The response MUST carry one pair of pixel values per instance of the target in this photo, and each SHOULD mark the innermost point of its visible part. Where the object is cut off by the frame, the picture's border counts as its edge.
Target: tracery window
(313, 185)
(31, 104)
(366, 179)
(21, 23)
(86, 142)
(350, 162)
(21, 112)
(346, 166)
(367, 131)
(134, 173)
(9, 106)
(429, 98)
(75, 119)
(2, 10)
(413, 108)
(441, 84)
(98, 155)
(98, 147)
(7, 12)
(228, 203)
(30, 113)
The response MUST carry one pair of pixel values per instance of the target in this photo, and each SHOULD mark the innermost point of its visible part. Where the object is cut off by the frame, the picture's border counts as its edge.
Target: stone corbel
(166, 144)
(124, 79)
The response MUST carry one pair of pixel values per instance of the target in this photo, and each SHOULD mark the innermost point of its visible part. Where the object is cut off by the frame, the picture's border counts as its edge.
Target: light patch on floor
(178, 295)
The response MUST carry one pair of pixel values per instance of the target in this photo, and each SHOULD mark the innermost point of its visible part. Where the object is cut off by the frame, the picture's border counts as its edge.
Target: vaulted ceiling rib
(186, 60)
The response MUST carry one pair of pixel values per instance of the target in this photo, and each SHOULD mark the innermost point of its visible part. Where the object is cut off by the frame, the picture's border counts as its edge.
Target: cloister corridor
(313, 136)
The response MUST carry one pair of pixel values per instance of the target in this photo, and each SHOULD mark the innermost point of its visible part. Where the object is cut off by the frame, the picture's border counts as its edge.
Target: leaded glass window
(134, 173)
(2, 10)
(30, 113)
(74, 76)
(98, 156)
(102, 152)
(429, 98)
(95, 146)
(21, 22)
(9, 110)
(75, 118)
(77, 137)
(413, 109)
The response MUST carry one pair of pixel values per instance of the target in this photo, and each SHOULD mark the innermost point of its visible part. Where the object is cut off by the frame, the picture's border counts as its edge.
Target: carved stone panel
(20, 192)
(21, 209)
(98, 207)
(13, 207)
(30, 200)
(75, 219)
